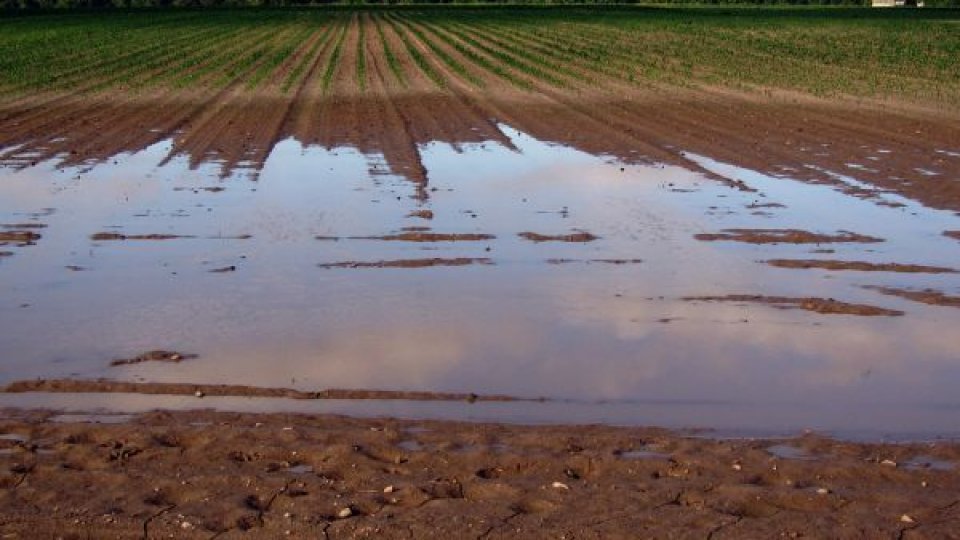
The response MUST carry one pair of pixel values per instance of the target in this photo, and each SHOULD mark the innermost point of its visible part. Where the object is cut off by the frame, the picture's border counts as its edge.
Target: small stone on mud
(737, 467)
(345, 513)
(823, 491)
(889, 463)
(907, 519)
(389, 489)
(198, 394)
(560, 485)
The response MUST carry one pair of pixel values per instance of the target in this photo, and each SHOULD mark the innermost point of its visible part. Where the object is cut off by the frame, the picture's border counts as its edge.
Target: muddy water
(249, 278)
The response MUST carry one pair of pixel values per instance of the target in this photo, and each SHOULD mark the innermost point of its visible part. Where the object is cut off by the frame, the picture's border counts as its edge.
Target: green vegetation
(909, 54)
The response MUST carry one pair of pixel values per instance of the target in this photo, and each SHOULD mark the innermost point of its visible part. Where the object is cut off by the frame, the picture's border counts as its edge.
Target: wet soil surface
(926, 296)
(202, 474)
(827, 306)
(785, 236)
(859, 266)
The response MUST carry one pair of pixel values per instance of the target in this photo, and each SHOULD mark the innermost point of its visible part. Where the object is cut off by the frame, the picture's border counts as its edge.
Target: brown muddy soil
(581, 237)
(202, 474)
(785, 236)
(422, 214)
(188, 389)
(18, 238)
(825, 306)
(416, 236)
(811, 140)
(408, 263)
(926, 296)
(591, 261)
(860, 266)
(154, 356)
(108, 236)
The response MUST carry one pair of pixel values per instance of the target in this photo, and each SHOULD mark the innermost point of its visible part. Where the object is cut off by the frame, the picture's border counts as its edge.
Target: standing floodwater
(527, 270)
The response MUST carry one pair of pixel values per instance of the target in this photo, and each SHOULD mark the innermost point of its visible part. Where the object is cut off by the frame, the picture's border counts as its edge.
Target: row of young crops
(327, 51)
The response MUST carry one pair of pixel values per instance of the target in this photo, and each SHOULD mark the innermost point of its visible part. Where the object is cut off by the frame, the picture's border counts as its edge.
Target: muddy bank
(926, 296)
(155, 356)
(785, 236)
(200, 390)
(575, 237)
(201, 474)
(952, 234)
(860, 266)
(18, 238)
(418, 236)
(409, 263)
(824, 306)
(109, 237)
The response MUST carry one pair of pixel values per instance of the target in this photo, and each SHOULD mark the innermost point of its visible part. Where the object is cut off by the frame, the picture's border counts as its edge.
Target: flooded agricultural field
(409, 271)
(544, 282)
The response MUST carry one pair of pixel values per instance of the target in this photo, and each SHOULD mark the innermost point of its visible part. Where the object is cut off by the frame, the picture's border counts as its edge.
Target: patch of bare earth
(591, 261)
(952, 234)
(110, 236)
(825, 306)
(19, 238)
(410, 263)
(418, 236)
(154, 356)
(860, 266)
(579, 236)
(926, 296)
(785, 236)
(202, 474)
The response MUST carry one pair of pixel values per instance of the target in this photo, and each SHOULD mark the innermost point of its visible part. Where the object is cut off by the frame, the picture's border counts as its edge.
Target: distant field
(910, 55)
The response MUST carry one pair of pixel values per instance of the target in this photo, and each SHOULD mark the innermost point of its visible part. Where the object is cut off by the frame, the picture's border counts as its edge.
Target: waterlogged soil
(926, 296)
(859, 266)
(825, 306)
(202, 474)
(785, 236)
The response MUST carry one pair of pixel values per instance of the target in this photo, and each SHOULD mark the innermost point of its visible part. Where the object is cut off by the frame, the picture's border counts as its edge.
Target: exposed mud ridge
(19, 238)
(204, 474)
(154, 356)
(111, 386)
(6, 253)
(109, 236)
(409, 263)
(952, 234)
(785, 236)
(422, 214)
(860, 266)
(580, 236)
(416, 236)
(825, 306)
(926, 296)
(591, 261)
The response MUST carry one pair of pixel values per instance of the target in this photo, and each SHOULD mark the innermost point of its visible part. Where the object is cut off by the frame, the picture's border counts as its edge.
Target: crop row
(905, 55)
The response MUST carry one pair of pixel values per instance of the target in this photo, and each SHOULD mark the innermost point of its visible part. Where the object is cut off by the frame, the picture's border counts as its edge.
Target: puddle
(786, 451)
(330, 288)
(928, 463)
(410, 446)
(641, 454)
(300, 469)
(14, 437)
